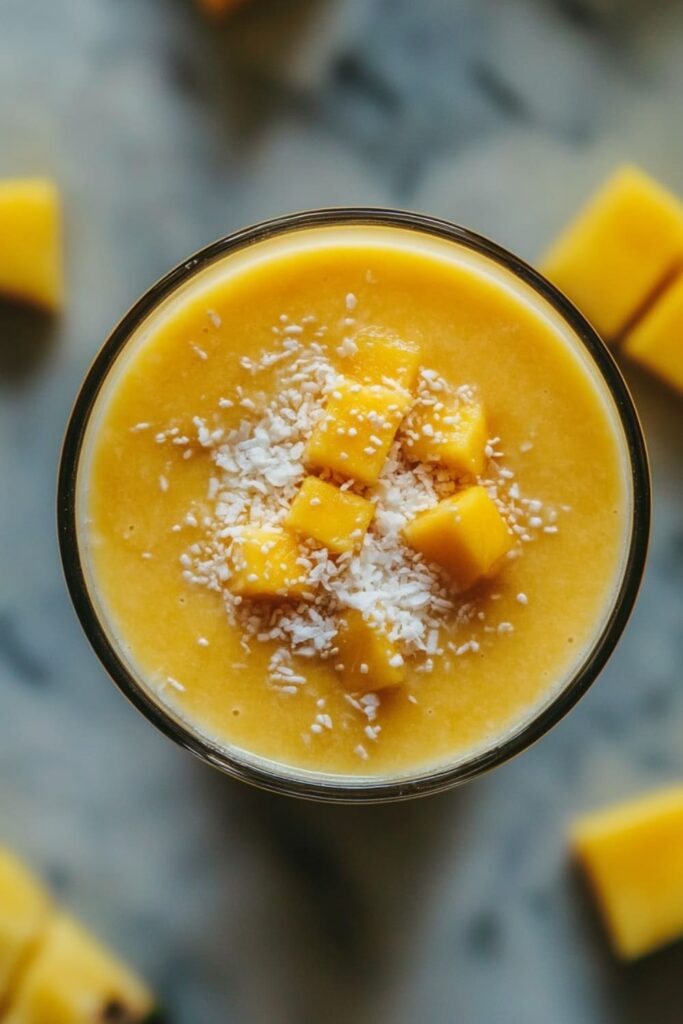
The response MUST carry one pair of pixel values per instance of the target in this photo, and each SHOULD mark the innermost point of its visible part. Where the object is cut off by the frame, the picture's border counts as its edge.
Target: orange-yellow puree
(471, 330)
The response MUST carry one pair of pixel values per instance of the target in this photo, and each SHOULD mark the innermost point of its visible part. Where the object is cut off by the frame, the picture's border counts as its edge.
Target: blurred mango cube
(656, 341)
(453, 434)
(51, 970)
(31, 251)
(71, 979)
(265, 564)
(357, 430)
(465, 534)
(633, 857)
(367, 660)
(619, 250)
(24, 909)
(383, 358)
(337, 519)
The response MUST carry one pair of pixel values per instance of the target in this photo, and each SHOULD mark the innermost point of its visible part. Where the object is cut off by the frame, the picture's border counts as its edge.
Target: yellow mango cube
(367, 659)
(656, 341)
(465, 534)
(337, 519)
(633, 856)
(382, 358)
(623, 245)
(71, 979)
(453, 434)
(265, 564)
(24, 910)
(31, 250)
(357, 430)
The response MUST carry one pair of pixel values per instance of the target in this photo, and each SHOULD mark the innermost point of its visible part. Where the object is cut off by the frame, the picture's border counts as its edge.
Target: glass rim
(302, 782)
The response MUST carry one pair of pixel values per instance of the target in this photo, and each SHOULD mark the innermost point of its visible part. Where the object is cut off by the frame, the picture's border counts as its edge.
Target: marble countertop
(165, 133)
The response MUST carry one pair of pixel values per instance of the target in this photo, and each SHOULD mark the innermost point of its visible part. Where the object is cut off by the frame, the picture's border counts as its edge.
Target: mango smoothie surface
(354, 502)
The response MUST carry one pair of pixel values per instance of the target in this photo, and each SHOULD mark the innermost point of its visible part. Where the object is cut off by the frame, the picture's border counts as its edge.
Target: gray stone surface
(165, 133)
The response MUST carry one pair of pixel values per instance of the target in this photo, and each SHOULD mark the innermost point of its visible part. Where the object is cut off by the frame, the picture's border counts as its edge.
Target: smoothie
(354, 500)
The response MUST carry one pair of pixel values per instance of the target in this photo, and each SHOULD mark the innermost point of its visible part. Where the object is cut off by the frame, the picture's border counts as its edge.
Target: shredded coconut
(170, 681)
(256, 469)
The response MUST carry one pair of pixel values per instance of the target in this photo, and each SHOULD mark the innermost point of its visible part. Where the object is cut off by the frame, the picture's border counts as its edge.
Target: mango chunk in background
(453, 434)
(31, 243)
(51, 970)
(656, 340)
(367, 659)
(619, 250)
(337, 519)
(264, 563)
(71, 979)
(633, 856)
(465, 534)
(24, 910)
(357, 430)
(381, 358)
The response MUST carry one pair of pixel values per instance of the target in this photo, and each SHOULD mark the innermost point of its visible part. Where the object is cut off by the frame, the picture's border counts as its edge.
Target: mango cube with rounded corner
(383, 358)
(265, 564)
(337, 519)
(619, 250)
(71, 979)
(633, 857)
(367, 660)
(656, 341)
(465, 534)
(31, 236)
(357, 430)
(24, 910)
(453, 434)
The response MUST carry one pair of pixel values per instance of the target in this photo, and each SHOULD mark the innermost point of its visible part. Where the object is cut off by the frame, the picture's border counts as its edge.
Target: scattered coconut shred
(257, 471)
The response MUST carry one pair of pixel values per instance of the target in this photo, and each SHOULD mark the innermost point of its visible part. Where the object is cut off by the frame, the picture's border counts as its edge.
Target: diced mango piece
(264, 563)
(73, 980)
(337, 519)
(633, 856)
(611, 259)
(382, 358)
(465, 534)
(656, 341)
(354, 436)
(453, 434)
(24, 910)
(367, 658)
(31, 249)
